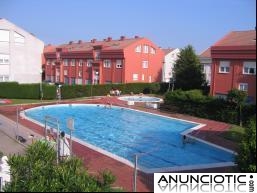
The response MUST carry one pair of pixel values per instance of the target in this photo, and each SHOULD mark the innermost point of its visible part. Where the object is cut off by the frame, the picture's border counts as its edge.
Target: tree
(237, 98)
(37, 171)
(246, 159)
(188, 71)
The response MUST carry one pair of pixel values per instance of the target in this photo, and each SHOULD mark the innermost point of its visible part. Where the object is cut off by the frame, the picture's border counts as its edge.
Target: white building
(206, 61)
(20, 54)
(170, 57)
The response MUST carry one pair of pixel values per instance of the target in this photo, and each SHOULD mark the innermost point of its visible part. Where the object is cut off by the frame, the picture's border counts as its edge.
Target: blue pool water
(125, 132)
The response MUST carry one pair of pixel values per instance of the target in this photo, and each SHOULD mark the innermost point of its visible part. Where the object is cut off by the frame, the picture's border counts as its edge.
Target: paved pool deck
(93, 160)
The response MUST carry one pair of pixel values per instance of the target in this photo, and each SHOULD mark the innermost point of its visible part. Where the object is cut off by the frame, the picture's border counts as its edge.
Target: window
(66, 80)
(79, 81)
(4, 78)
(143, 77)
(88, 81)
(249, 68)
(89, 63)
(138, 49)
(18, 39)
(73, 81)
(48, 62)
(4, 36)
(243, 87)
(135, 76)
(145, 48)
(80, 62)
(118, 63)
(97, 54)
(224, 67)
(65, 72)
(153, 51)
(80, 73)
(57, 79)
(4, 59)
(53, 62)
(65, 62)
(221, 96)
(73, 62)
(145, 64)
(107, 63)
(48, 78)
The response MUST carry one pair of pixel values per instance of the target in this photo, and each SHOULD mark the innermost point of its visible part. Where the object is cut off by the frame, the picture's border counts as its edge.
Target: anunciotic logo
(204, 182)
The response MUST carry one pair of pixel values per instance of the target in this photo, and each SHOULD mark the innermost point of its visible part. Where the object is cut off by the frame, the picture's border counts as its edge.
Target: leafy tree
(37, 171)
(246, 158)
(237, 98)
(188, 71)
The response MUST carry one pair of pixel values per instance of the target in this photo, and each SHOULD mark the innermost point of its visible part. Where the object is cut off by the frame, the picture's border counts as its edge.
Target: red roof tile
(206, 53)
(238, 38)
(107, 44)
(49, 48)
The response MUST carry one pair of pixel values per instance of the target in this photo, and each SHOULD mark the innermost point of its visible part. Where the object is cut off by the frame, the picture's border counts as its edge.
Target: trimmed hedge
(194, 103)
(13, 90)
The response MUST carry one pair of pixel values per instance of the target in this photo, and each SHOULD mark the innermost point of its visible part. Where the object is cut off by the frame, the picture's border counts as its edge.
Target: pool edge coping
(141, 168)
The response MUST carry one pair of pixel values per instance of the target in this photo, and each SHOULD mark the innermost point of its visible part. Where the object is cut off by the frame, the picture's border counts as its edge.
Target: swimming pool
(136, 98)
(122, 133)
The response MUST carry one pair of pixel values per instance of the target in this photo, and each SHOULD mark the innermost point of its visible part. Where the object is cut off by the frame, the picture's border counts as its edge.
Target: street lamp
(41, 89)
(59, 94)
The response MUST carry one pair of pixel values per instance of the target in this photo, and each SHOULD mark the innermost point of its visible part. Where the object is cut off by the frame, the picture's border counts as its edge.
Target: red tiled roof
(206, 53)
(238, 38)
(49, 48)
(107, 44)
(167, 50)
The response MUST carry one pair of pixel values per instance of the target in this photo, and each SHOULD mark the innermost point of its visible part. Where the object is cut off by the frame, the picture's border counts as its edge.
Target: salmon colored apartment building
(234, 64)
(124, 60)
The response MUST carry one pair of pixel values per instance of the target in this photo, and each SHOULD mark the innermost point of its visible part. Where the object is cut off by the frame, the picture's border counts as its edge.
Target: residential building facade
(170, 57)
(124, 60)
(234, 64)
(20, 54)
(206, 61)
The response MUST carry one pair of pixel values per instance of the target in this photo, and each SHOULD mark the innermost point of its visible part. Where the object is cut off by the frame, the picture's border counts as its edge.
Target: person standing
(63, 147)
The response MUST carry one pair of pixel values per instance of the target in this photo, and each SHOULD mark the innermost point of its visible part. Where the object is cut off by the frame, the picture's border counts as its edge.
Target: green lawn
(235, 134)
(26, 101)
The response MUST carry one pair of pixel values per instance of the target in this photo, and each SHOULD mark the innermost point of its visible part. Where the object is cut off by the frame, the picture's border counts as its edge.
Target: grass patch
(235, 134)
(27, 101)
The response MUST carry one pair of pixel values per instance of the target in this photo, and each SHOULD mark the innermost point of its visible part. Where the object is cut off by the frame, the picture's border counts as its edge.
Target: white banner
(204, 182)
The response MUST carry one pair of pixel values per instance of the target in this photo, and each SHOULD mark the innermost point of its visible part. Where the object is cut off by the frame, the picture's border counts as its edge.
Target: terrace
(96, 161)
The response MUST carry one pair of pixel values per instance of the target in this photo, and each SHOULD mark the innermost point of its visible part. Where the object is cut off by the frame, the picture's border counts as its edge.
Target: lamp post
(173, 83)
(59, 93)
(41, 88)
(70, 126)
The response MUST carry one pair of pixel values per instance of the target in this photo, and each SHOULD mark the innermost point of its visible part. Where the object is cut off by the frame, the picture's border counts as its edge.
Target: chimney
(122, 38)
(80, 41)
(109, 39)
(93, 40)
(136, 37)
(70, 42)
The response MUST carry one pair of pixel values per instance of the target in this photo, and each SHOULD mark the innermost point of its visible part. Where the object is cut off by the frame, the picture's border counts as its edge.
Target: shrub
(194, 103)
(246, 158)
(37, 171)
(14, 90)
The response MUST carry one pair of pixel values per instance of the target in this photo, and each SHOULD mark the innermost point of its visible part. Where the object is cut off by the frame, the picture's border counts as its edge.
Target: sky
(167, 23)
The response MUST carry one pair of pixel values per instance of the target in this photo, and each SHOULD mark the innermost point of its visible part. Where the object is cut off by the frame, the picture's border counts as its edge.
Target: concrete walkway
(8, 132)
